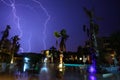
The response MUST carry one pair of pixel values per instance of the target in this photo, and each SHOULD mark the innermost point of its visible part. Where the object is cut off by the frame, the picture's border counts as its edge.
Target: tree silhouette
(6, 32)
(9, 46)
(15, 44)
(92, 31)
(64, 37)
(57, 35)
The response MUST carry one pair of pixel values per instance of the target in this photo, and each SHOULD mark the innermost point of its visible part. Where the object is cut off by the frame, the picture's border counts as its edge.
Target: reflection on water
(51, 72)
(92, 72)
(26, 64)
(44, 68)
(92, 77)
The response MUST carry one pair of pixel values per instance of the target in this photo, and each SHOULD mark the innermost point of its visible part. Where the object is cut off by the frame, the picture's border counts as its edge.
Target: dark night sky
(30, 18)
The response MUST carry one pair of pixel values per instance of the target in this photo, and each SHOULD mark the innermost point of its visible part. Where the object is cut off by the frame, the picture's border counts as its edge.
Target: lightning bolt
(46, 22)
(13, 5)
(29, 45)
(5, 3)
(30, 36)
(16, 18)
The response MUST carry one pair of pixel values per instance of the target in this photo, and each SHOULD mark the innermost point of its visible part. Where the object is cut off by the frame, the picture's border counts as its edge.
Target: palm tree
(6, 32)
(57, 35)
(5, 42)
(64, 37)
(93, 30)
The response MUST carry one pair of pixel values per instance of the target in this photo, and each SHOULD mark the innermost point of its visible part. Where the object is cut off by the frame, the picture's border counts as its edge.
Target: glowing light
(80, 58)
(60, 69)
(45, 60)
(47, 53)
(46, 22)
(92, 69)
(92, 77)
(60, 65)
(26, 66)
(26, 59)
(44, 68)
(11, 61)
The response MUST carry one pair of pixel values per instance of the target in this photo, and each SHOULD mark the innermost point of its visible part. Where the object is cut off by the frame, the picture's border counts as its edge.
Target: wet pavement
(49, 72)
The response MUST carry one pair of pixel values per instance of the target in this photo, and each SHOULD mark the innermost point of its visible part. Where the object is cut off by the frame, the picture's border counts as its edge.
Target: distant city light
(80, 58)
